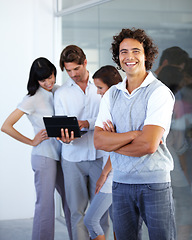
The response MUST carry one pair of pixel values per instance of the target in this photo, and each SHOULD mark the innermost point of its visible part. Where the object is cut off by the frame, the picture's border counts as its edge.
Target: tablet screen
(54, 124)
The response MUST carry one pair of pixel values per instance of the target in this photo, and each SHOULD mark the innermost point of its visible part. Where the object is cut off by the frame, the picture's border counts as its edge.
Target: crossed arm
(133, 143)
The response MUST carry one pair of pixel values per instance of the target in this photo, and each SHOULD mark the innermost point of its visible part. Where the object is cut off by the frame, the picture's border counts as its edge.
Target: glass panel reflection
(175, 72)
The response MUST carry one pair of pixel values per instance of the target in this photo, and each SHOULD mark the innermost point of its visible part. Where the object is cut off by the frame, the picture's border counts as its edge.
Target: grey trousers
(97, 209)
(80, 181)
(48, 175)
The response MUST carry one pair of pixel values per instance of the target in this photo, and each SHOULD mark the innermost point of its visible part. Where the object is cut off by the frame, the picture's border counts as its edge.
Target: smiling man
(141, 183)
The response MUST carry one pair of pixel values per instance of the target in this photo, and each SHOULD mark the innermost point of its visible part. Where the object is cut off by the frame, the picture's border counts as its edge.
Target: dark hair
(174, 55)
(40, 70)
(188, 67)
(171, 77)
(150, 49)
(109, 75)
(72, 53)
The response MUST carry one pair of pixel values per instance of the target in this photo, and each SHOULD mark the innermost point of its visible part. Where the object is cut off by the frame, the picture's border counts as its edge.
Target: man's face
(132, 56)
(75, 71)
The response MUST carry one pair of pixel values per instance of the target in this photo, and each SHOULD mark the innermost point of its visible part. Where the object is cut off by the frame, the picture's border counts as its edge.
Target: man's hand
(108, 126)
(65, 136)
(83, 124)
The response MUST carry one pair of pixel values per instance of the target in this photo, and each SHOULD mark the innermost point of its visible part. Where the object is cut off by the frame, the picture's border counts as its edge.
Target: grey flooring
(21, 230)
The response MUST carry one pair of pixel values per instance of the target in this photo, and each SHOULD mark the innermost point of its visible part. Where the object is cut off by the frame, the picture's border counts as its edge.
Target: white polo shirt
(157, 113)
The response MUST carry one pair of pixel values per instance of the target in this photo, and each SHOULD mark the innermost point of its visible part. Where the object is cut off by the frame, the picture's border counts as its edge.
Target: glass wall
(169, 23)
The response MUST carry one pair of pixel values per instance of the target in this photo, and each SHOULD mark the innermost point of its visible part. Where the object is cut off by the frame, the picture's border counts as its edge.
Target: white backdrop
(28, 30)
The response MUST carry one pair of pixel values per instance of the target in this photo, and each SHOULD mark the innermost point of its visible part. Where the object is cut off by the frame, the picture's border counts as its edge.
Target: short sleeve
(104, 111)
(160, 108)
(27, 104)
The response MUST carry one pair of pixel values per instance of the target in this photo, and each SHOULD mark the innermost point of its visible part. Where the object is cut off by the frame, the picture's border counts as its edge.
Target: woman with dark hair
(106, 77)
(45, 158)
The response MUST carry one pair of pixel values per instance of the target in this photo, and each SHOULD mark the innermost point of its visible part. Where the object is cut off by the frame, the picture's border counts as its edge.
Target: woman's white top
(36, 107)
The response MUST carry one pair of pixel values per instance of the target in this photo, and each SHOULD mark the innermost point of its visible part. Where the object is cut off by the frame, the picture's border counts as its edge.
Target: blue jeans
(153, 202)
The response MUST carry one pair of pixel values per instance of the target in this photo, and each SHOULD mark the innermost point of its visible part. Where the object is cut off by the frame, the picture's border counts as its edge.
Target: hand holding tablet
(54, 125)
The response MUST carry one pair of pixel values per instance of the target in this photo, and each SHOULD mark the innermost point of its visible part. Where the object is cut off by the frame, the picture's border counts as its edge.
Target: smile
(130, 64)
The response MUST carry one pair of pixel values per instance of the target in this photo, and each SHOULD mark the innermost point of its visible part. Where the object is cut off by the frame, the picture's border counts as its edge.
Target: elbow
(97, 143)
(3, 129)
(101, 146)
(151, 151)
(97, 139)
(100, 141)
(150, 148)
(97, 147)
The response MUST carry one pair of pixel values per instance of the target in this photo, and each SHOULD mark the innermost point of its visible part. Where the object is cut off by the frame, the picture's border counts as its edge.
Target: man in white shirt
(141, 161)
(81, 162)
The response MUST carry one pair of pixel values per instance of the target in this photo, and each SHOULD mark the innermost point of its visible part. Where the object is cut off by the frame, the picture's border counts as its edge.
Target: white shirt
(36, 107)
(70, 100)
(156, 114)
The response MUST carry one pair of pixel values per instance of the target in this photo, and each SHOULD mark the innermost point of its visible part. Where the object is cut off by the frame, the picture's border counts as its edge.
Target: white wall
(28, 30)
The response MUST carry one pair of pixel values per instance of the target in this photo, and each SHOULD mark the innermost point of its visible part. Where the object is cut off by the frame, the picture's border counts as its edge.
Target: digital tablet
(54, 124)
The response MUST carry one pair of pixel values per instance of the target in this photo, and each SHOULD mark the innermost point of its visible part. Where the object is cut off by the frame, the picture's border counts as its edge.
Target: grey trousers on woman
(48, 175)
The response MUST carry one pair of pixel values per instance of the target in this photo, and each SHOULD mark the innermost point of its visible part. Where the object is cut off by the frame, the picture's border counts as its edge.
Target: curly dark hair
(150, 49)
